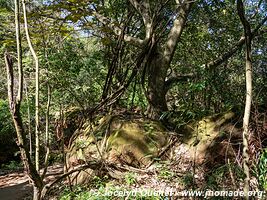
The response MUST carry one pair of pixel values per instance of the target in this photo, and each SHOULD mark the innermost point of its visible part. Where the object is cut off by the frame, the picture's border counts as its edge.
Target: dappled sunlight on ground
(16, 185)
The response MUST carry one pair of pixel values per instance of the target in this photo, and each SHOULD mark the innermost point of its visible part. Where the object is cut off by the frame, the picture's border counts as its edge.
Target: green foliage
(130, 178)
(262, 170)
(12, 165)
(216, 178)
(99, 182)
(55, 158)
(8, 147)
(76, 72)
(76, 67)
(188, 180)
(165, 173)
(180, 117)
(6, 125)
(107, 193)
(7, 39)
(68, 194)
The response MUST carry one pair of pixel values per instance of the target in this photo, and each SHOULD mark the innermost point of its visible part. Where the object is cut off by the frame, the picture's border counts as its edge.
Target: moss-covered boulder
(204, 134)
(117, 139)
(135, 142)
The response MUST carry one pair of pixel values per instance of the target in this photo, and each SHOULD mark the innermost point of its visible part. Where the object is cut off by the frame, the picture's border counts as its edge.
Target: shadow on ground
(16, 192)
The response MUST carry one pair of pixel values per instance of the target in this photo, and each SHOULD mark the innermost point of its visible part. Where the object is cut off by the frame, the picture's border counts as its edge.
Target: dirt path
(16, 185)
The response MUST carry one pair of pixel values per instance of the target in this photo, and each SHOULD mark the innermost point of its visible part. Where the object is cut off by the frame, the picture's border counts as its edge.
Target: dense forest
(134, 99)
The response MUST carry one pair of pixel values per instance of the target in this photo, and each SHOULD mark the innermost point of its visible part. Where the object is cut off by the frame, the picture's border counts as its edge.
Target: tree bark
(156, 91)
(248, 38)
(29, 120)
(47, 134)
(15, 104)
(37, 126)
(159, 62)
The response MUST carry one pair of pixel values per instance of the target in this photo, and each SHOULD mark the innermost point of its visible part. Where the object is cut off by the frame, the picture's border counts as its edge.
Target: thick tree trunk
(160, 60)
(156, 92)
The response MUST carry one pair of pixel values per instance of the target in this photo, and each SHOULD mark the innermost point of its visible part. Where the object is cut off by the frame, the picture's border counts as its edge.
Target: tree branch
(176, 30)
(143, 9)
(19, 52)
(37, 93)
(117, 30)
(177, 78)
(10, 79)
(234, 48)
(15, 106)
(94, 165)
(90, 165)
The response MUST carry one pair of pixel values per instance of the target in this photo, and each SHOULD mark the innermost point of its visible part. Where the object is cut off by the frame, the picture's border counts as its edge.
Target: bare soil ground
(16, 186)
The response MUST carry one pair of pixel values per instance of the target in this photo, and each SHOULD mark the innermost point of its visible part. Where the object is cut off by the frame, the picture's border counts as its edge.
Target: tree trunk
(29, 120)
(15, 103)
(248, 38)
(37, 126)
(160, 60)
(47, 134)
(36, 193)
(156, 92)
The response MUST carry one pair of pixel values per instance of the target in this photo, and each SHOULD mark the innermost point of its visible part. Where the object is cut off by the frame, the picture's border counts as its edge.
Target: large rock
(205, 136)
(118, 139)
(136, 141)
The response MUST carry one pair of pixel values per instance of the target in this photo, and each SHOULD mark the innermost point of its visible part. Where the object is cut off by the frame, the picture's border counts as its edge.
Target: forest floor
(173, 171)
(177, 170)
(15, 185)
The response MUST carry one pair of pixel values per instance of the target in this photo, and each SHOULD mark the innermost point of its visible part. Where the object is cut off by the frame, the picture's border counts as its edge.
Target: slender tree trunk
(47, 121)
(248, 38)
(47, 135)
(37, 193)
(29, 119)
(14, 105)
(37, 126)
(36, 188)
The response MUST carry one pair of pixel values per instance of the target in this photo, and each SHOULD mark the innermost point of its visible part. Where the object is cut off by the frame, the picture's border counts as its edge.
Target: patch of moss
(129, 141)
(201, 134)
(136, 141)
